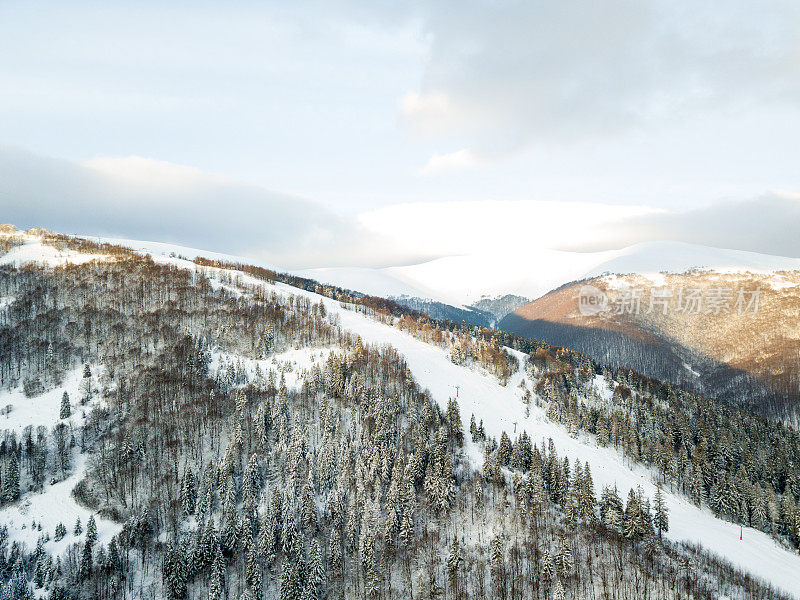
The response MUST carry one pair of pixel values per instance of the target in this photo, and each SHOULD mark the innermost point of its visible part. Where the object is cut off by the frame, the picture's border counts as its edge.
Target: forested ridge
(343, 479)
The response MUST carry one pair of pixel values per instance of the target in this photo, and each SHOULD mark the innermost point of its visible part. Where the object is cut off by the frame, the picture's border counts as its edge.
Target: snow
(500, 407)
(166, 250)
(689, 368)
(377, 282)
(464, 279)
(679, 257)
(55, 504)
(778, 282)
(292, 364)
(5, 303)
(19, 411)
(32, 250)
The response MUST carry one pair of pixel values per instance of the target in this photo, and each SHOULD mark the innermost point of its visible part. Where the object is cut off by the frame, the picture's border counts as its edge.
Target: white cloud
(454, 161)
(505, 76)
(146, 199)
(428, 108)
(660, 102)
(494, 226)
(767, 224)
(137, 170)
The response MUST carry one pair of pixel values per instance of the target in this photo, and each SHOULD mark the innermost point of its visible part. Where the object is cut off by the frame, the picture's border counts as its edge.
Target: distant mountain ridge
(465, 280)
(746, 355)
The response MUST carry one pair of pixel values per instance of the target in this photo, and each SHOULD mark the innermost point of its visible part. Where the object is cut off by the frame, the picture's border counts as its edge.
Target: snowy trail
(500, 407)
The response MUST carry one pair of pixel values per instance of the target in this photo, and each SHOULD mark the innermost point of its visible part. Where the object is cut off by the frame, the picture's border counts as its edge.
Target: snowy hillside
(32, 250)
(57, 504)
(678, 257)
(234, 310)
(500, 408)
(463, 280)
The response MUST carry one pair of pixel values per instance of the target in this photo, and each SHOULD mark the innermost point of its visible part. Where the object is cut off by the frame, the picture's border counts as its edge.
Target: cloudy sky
(379, 133)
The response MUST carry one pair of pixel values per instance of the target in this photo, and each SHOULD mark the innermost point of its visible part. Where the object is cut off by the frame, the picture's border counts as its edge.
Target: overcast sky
(312, 133)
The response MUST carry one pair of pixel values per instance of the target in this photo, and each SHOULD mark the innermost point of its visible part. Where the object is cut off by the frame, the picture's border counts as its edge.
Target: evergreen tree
(455, 559)
(91, 530)
(253, 568)
(558, 591)
(564, 559)
(10, 483)
(548, 569)
(632, 521)
(611, 508)
(114, 558)
(587, 500)
(216, 586)
(290, 581)
(504, 450)
(66, 411)
(86, 561)
(660, 520)
(174, 575)
(308, 510)
(188, 493)
(498, 569)
(86, 384)
(454, 422)
(315, 581)
(522, 454)
(473, 429)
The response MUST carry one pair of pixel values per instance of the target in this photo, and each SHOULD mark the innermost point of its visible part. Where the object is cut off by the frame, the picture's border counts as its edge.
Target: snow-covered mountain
(462, 280)
(500, 403)
(729, 365)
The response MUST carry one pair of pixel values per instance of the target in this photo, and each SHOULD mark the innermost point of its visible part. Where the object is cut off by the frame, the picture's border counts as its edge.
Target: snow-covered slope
(156, 249)
(678, 257)
(32, 250)
(55, 504)
(500, 408)
(465, 279)
(462, 280)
